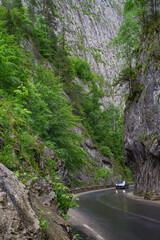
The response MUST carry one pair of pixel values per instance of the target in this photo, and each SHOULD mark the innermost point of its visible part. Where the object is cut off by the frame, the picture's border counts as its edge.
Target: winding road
(111, 215)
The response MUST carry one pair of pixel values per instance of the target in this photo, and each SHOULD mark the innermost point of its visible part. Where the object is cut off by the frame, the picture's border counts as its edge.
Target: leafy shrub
(102, 173)
(82, 69)
(41, 33)
(64, 197)
(106, 151)
(127, 74)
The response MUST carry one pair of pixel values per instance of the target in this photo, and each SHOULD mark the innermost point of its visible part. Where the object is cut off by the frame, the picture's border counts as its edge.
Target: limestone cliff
(87, 28)
(21, 210)
(142, 121)
(95, 161)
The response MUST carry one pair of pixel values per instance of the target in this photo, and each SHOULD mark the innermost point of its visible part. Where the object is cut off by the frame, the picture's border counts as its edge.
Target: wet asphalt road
(111, 215)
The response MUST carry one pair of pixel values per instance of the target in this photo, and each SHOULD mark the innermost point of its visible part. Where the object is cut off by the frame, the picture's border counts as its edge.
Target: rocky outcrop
(21, 208)
(142, 122)
(88, 28)
(43, 153)
(44, 202)
(95, 160)
(18, 220)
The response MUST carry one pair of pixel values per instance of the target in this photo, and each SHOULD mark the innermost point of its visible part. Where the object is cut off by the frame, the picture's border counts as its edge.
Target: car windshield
(121, 182)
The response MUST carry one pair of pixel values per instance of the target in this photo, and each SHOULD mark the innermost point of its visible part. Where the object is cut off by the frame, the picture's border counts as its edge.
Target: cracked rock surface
(20, 209)
(18, 220)
(142, 127)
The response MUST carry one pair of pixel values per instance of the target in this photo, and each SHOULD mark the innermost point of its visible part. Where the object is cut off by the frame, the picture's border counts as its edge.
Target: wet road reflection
(116, 217)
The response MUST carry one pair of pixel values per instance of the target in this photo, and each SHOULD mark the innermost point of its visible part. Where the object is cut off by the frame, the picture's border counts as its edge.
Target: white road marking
(97, 235)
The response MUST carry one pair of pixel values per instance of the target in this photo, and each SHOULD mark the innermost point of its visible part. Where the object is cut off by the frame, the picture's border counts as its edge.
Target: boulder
(18, 220)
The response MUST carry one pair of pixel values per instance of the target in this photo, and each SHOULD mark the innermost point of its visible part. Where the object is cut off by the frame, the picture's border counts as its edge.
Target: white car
(122, 185)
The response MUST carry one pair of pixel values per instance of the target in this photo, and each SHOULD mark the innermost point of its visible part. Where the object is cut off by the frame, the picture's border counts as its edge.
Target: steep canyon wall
(88, 27)
(142, 121)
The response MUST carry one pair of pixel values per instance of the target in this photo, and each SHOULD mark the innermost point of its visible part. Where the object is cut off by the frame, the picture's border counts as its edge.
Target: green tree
(53, 118)
(41, 37)
(141, 20)
(12, 61)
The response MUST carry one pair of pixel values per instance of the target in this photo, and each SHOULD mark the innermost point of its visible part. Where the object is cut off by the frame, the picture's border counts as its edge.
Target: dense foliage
(33, 92)
(42, 105)
(141, 21)
(139, 18)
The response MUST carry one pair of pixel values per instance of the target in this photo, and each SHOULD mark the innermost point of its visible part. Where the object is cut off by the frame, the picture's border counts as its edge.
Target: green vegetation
(105, 126)
(78, 236)
(138, 17)
(33, 97)
(102, 173)
(64, 197)
(82, 69)
(136, 94)
(142, 138)
(41, 105)
(87, 12)
(141, 21)
(43, 223)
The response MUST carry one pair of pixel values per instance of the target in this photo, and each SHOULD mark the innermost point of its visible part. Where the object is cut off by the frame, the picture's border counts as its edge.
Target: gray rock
(87, 173)
(88, 31)
(18, 220)
(142, 129)
(44, 199)
(21, 208)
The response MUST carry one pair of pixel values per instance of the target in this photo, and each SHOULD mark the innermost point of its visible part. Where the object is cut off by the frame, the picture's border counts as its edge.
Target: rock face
(44, 199)
(89, 27)
(142, 123)
(18, 220)
(41, 158)
(95, 160)
(20, 209)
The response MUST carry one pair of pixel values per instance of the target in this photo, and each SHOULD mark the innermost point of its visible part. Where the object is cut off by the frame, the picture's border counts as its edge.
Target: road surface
(110, 215)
